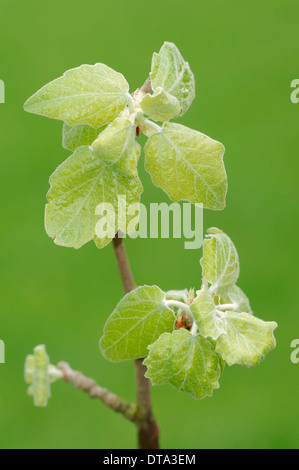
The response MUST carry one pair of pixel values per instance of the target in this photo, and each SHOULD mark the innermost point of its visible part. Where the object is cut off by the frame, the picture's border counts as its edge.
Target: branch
(123, 264)
(141, 413)
(128, 410)
(148, 430)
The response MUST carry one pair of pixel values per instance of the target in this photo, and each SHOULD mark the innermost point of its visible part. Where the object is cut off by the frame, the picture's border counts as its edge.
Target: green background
(244, 57)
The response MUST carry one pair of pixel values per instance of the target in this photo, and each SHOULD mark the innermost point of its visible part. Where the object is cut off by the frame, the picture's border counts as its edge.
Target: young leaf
(187, 362)
(247, 340)
(78, 186)
(205, 315)
(39, 374)
(79, 135)
(160, 106)
(117, 146)
(170, 72)
(36, 374)
(220, 261)
(137, 321)
(90, 94)
(187, 165)
(235, 295)
(177, 294)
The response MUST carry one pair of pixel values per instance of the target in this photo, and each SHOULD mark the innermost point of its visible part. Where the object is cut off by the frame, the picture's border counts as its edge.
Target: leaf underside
(220, 261)
(173, 74)
(233, 294)
(117, 146)
(204, 312)
(160, 106)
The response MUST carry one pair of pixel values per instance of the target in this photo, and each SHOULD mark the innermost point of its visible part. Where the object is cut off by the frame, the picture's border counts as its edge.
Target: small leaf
(36, 374)
(235, 295)
(137, 321)
(39, 374)
(117, 146)
(177, 294)
(78, 186)
(160, 106)
(90, 94)
(170, 72)
(29, 369)
(187, 165)
(220, 261)
(79, 135)
(187, 362)
(247, 340)
(205, 315)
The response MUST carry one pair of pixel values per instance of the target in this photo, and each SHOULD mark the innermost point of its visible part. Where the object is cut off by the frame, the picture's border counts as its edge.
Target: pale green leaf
(220, 261)
(160, 106)
(137, 321)
(187, 165)
(187, 362)
(78, 186)
(39, 374)
(247, 340)
(170, 72)
(36, 374)
(205, 315)
(29, 369)
(90, 94)
(235, 295)
(117, 146)
(79, 135)
(177, 294)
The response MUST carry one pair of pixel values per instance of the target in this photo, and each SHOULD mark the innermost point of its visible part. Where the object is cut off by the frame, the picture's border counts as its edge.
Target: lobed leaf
(89, 94)
(170, 72)
(160, 106)
(205, 315)
(187, 165)
(247, 340)
(220, 261)
(117, 147)
(78, 186)
(79, 135)
(137, 321)
(187, 362)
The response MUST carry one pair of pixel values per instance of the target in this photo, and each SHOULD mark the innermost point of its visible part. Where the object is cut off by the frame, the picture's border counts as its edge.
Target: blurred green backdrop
(244, 57)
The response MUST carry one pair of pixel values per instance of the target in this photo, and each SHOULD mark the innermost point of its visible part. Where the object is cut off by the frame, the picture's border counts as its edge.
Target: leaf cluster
(186, 338)
(101, 120)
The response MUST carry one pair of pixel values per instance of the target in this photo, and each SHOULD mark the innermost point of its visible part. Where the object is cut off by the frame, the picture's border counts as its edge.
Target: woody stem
(148, 431)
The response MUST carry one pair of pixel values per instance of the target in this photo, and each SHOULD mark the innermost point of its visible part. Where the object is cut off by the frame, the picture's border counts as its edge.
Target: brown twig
(148, 430)
(141, 413)
(129, 410)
